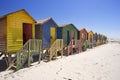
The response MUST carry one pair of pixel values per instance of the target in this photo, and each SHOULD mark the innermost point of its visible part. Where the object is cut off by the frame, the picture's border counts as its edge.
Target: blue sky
(102, 16)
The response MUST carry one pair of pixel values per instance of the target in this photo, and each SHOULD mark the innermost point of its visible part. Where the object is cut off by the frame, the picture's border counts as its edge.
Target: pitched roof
(16, 12)
(65, 25)
(90, 31)
(84, 29)
(45, 20)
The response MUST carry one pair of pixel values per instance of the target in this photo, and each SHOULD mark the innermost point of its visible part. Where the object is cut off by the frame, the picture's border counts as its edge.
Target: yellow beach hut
(15, 29)
(90, 38)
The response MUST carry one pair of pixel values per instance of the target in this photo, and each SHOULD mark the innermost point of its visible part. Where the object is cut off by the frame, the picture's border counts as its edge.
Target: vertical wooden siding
(90, 36)
(52, 35)
(3, 33)
(83, 35)
(71, 29)
(38, 32)
(96, 37)
(46, 33)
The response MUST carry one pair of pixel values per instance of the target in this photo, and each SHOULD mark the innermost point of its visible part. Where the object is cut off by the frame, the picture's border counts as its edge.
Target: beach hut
(46, 30)
(104, 39)
(90, 38)
(69, 34)
(83, 37)
(15, 29)
(99, 39)
(95, 39)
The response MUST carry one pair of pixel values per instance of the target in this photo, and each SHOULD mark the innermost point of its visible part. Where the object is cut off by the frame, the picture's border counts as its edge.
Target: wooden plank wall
(3, 32)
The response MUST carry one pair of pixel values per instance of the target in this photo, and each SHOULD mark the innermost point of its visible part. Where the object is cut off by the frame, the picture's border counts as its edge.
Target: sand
(99, 63)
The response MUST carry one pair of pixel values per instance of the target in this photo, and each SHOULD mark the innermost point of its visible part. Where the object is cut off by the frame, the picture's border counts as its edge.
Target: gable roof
(65, 25)
(84, 30)
(16, 12)
(45, 20)
(90, 31)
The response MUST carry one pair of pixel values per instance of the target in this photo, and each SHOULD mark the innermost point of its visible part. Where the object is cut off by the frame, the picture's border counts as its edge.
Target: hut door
(27, 32)
(73, 35)
(68, 37)
(52, 35)
(83, 38)
(91, 38)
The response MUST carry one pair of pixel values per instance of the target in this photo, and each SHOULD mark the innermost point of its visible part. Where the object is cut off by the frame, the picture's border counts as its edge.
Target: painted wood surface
(67, 32)
(83, 34)
(45, 32)
(14, 29)
(3, 34)
(52, 35)
(90, 36)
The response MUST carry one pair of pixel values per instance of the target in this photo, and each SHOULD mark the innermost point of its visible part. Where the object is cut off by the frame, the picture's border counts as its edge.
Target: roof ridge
(17, 11)
(11, 13)
(44, 20)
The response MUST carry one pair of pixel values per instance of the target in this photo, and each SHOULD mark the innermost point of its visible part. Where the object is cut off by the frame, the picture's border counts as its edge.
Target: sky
(101, 16)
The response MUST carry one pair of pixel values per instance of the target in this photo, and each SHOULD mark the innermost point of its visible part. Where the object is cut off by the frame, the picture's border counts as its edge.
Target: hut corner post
(29, 54)
(40, 52)
(62, 48)
(7, 58)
